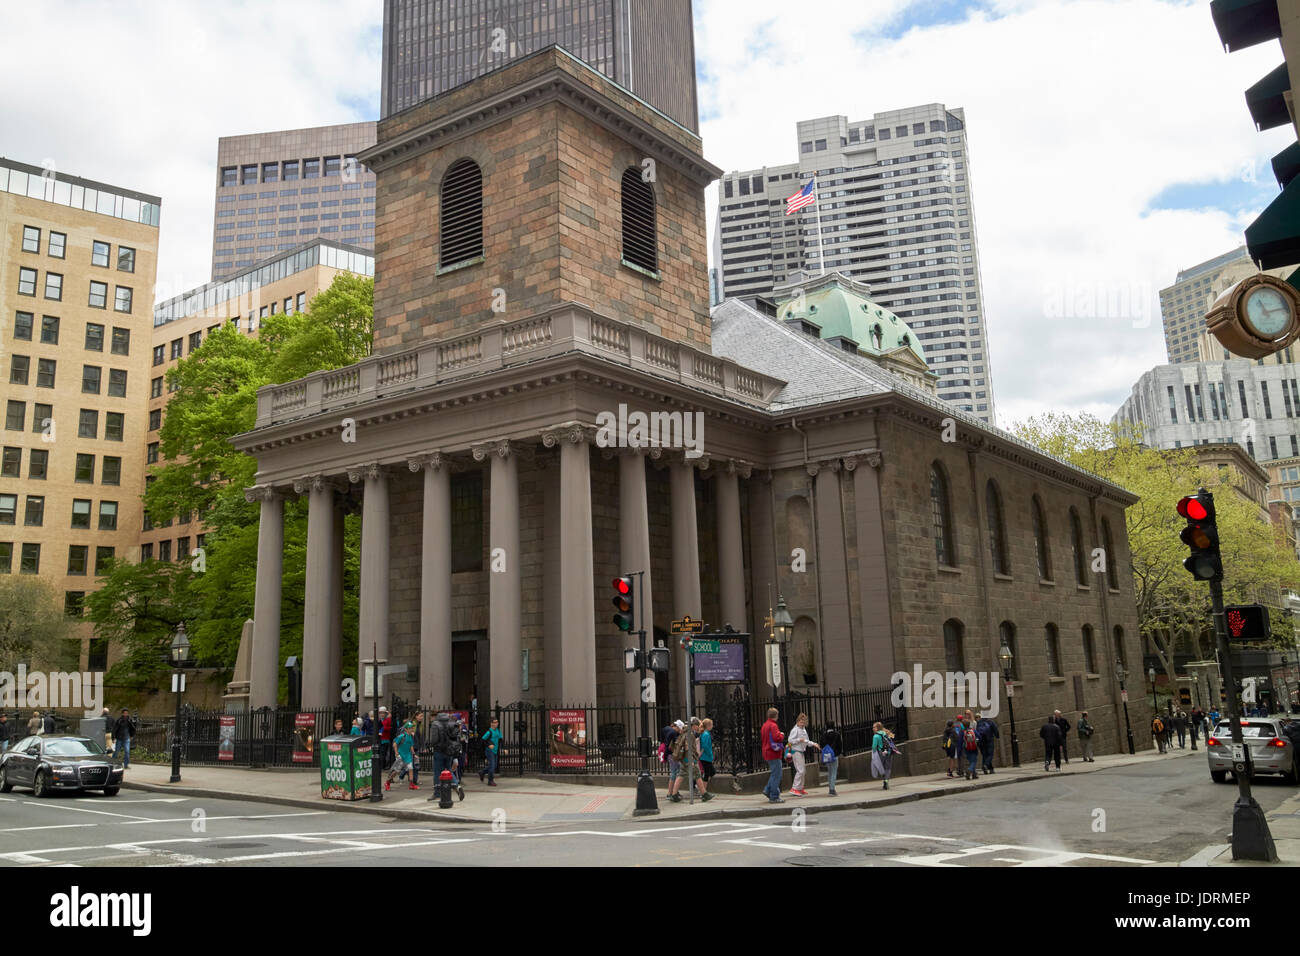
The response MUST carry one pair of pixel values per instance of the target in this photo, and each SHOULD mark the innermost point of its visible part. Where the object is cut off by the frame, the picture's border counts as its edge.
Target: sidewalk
(531, 801)
(1283, 823)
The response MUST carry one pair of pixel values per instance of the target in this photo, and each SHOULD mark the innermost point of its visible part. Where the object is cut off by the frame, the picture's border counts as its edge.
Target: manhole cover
(816, 861)
(238, 846)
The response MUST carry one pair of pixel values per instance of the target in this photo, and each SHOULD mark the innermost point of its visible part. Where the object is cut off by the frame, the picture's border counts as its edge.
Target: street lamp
(1151, 676)
(1120, 675)
(783, 630)
(180, 655)
(1005, 657)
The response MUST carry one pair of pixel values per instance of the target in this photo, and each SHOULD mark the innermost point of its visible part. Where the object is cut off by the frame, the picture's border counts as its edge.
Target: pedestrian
(491, 753)
(34, 724)
(970, 749)
(669, 737)
(706, 759)
(1195, 720)
(1064, 724)
(461, 761)
(368, 724)
(882, 753)
(4, 732)
(403, 759)
(686, 748)
(799, 742)
(773, 747)
(1158, 732)
(1291, 730)
(1086, 731)
(948, 741)
(1051, 734)
(357, 727)
(986, 732)
(107, 717)
(385, 737)
(832, 747)
(1180, 728)
(338, 730)
(445, 740)
(123, 731)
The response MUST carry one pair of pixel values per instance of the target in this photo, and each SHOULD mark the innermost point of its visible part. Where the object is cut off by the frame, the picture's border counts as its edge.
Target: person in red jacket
(773, 752)
(385, 737)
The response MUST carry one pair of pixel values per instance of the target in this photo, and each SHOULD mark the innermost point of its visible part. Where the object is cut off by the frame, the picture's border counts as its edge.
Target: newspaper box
(345, 767)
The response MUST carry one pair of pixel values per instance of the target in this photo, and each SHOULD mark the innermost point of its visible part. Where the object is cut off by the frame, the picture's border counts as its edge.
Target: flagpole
(821, 252)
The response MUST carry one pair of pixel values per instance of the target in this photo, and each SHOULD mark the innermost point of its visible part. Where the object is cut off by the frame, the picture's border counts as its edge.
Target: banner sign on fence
(226, 739)
(304, 730)
(568, 738)
(727, 666)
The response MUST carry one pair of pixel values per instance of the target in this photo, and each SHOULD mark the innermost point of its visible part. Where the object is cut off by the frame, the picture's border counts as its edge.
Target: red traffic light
(623, 585)
(623, 603)
(1191, 508)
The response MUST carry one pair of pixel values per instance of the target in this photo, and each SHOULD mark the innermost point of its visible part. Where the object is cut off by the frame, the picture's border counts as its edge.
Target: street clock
(1258, 316)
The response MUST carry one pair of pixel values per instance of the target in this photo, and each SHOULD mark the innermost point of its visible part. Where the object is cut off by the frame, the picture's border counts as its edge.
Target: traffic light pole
(646, 801)
(1251, 839)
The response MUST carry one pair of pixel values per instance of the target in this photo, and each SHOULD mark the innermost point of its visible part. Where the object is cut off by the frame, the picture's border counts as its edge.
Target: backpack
(1158, 725)
(662, 753)
(828, 753)
(971, 742)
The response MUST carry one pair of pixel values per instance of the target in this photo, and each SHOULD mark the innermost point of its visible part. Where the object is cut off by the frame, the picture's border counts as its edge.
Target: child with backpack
(1158, 732)
(882, 753)
(970, 746)
(404, 760)
(832, 747)
(948, 741)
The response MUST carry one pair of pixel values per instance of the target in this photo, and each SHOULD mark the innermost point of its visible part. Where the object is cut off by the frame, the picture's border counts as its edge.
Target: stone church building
(540, 263)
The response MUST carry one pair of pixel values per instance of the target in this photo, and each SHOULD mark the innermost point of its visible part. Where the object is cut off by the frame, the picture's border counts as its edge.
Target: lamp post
(180, 655)
(1151, 676)
(1005, 657)
(1120, 675)
(783, 630)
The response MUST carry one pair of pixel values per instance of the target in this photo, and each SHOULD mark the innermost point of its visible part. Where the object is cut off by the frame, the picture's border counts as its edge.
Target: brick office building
(530, 276)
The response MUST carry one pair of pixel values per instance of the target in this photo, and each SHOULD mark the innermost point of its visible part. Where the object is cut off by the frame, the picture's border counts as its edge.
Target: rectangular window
(122, 301)
(1200, 404)
(1268, 406)
(98, 295)
(819, 145)
(85, 470)
(94, 337)
(196, 339)
(1272, 447)
(11, 466)
(30, 563)
(112, 474)
(45, 369)
(38, 463)
(164, 549)
(155, 419)
(117, 382)
(8, 509)
(121, 341)
(177, 348)
(19, 365)
(1295, 447)
(6, 557)
(81, 513)
(182, 547)
(103, 556)
(50, 329)
(1223, 403)
(54, 286)
(159, 354)
(155, 387)
(1241, 395)
(302, 301)
(146, 551)
(26, 281)
(290, 170)
(332, 164)
(1286, 399)
(58, 245)
(248, 175)
(35, 514)
(114, 425)
(23, 326)
(31, 239)
(99, 253)
(311, 169)
(74, 604)
(229, 175)
(151, 453)
(1191, 409)
(270, 172)
(78, 556)
(90, 375)
(88, 424)
(125, 259)
(467, 522)
(108, 516)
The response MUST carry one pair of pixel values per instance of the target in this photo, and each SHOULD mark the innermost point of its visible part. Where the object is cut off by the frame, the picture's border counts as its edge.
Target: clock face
(1267, 311)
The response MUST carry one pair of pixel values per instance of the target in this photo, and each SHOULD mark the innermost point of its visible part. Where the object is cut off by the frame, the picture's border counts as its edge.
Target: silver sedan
(1270, 751)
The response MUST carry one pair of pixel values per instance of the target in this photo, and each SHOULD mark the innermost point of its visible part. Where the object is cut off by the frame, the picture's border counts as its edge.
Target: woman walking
(882, 753)
(799, 742)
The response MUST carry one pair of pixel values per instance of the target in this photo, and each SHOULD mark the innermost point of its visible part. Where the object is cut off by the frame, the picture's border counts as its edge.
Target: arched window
(1112, 580)
(941, 514)
(997, 530)
(1076, 545)
(1053, 641)
(1120, 657)
(953, 654)
(460, 214)
(640, 245)
(1007, 635)
(1040, 541)
(1089, 650)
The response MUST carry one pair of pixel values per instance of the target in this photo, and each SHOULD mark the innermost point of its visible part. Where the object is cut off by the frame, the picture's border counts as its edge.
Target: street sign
(687, 626)
(1011, 689)
(705, 647)
(1238, 753)
(1123, 696)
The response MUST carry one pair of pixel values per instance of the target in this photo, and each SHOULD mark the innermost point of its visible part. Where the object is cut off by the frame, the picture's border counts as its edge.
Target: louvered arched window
(1041, 548)
(997, 529)
(640, 244)
(460, 214)
(941, 515)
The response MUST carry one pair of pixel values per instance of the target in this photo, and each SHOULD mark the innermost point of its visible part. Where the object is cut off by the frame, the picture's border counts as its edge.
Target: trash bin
(345, 767)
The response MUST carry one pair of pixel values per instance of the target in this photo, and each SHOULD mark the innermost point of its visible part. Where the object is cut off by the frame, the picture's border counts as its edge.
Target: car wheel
(40, 786)
(111, 791)
(5, 785)
(1219, 776)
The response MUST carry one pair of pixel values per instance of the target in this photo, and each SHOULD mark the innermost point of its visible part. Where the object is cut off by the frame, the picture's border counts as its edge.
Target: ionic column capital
(433, 460)
(573, 432)
(370, 471)
(871, 458)
(830, 464)
(316, 482)
(500, 447)
(735, 466)
(260, 493)
(624, 451)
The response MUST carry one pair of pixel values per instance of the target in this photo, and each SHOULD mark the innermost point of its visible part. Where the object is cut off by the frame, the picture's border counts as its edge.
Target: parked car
(65, 762)
(1270, 751)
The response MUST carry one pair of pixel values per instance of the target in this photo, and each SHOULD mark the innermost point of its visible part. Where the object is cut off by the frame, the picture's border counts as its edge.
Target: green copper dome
(840, 309)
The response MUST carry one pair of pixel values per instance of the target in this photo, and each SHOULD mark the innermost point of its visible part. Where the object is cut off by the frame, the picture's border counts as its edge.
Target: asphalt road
(1127, 816)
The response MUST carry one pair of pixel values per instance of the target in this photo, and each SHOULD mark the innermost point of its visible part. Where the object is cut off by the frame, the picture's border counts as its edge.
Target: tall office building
(80, 261)
(277, 190)
(895, 207)
(645, 46)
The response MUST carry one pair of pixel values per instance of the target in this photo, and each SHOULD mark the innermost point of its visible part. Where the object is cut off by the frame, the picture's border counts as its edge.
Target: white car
(1270, 751)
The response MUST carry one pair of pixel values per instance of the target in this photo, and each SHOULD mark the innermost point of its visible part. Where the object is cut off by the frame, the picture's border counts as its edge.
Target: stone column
(334, 661)
(435, 581)
(373, 630)
(836, 628)
(875, 662)
(319, 596)
(504, 581)
(265, 668)
(634, 551)
(577, 684)
(686, 563)
(731, 552)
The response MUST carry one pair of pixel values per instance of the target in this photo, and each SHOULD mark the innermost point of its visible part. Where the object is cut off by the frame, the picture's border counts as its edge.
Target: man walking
(1051, 734)
(1180, 727)
(1158, 732)
(491, 753)
(1064, 724)
(1195, 721)
(123, 731)
(385, 737)
(986, 732)
(1085, 737)
(446, 748)
(773, 752)
(670, 735)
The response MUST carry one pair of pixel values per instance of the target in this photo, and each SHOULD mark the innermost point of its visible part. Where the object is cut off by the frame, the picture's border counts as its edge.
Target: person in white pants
(799, 742)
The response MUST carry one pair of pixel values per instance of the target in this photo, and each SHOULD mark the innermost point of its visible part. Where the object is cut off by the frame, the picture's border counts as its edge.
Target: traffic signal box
(623, 603)
(1202, 536)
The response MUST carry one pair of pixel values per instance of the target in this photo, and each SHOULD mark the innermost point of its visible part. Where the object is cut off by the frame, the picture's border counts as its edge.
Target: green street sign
(705, 647)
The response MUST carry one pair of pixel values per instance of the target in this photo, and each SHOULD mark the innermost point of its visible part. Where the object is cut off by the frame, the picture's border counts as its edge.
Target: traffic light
(1202, 536)
(623, 602)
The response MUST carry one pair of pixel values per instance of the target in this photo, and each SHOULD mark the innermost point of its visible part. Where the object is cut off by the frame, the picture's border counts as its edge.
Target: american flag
(804, 197)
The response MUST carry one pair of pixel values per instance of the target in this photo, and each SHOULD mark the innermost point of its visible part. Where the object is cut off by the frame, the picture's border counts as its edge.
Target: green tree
(137, 609)
(33, 626)
(1258, 565)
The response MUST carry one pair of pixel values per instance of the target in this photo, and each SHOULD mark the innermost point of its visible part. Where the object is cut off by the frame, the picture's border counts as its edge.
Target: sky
(1110, 144)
